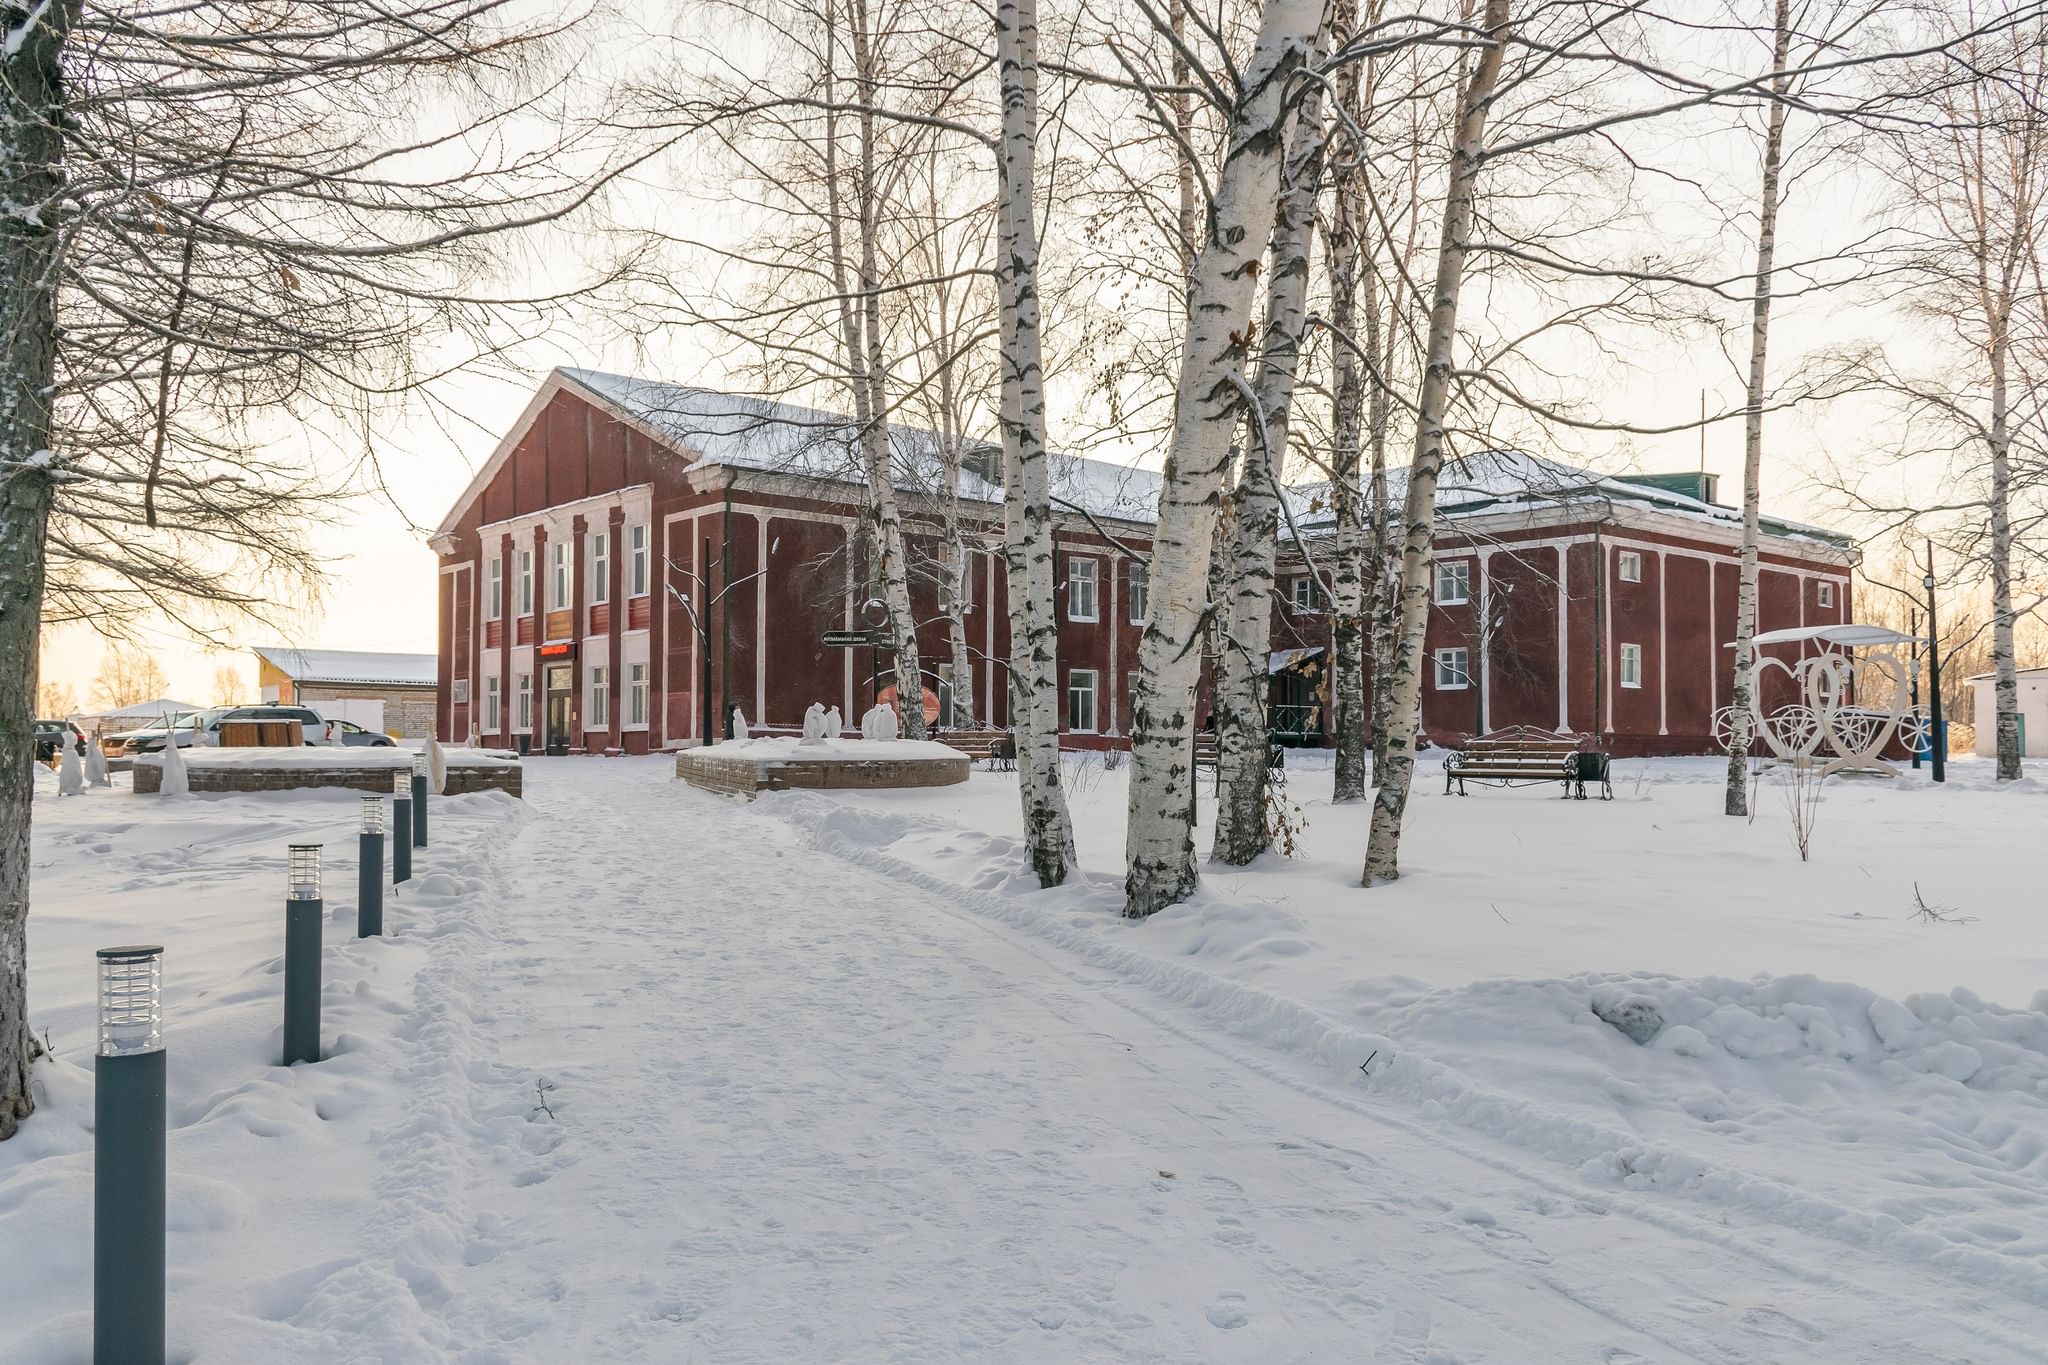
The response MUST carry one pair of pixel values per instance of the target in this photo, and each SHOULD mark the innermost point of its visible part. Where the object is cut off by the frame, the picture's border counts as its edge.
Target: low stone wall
(244, 777)
(743, 775)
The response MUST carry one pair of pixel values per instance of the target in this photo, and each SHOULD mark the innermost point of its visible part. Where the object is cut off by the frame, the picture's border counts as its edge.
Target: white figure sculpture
(176, 782)
(739, 724)
(70, 776)
(437, 767)
(833, 723)
(814, 724)
(96, 765)
(879, 723)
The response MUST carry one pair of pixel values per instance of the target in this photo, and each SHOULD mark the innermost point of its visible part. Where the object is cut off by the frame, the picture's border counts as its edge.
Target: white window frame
(600, 566)
(559, 581)
(1082, 571)
(494, 588)
(1826, 593)
(1630, 673)
(1629, 569)
(1140, 592)
(1453, 575)
(1454, 663)
(1093, 692)
(526, 582)
(636, 696)
(522, 703)
(597, 702)
(487, 724)
(1301, 594)
(636, 564)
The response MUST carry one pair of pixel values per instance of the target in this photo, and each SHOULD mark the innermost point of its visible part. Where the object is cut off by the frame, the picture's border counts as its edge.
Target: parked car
(147, 739)
(51, 733)
(354, 735)
(203, 727)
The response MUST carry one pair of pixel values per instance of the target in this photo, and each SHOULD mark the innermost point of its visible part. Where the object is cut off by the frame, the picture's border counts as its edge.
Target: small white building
(2033, 701)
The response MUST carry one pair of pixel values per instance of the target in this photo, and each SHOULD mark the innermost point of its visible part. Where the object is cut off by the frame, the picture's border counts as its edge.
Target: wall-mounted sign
(556, 651)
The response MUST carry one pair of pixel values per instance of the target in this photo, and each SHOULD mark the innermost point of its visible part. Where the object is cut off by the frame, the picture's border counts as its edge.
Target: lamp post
(1937, 747)
(303, 909)
(128, 1160)
(419, 799)
(1914, 631)
(370, 870)
(401, 826)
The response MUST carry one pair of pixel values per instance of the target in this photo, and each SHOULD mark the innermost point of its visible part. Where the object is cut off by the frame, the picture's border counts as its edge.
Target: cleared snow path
(806, 1113)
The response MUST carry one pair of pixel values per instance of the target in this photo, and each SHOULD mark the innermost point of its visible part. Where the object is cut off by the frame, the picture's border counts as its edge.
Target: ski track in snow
(805, 1111)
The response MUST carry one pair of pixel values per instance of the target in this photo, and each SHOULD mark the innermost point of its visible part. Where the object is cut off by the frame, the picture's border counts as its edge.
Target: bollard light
(303, 911)
(419, 799)
(128, 1160)
(401, 782)
(370, 870)
(401, 826)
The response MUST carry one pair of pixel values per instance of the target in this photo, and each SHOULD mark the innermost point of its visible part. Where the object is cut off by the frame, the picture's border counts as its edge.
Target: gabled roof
(350, 666)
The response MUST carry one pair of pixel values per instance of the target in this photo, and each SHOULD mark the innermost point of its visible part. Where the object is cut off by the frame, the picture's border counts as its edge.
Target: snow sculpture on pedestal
(739, 724)
(175, 782)
(70, 777)
(833, 723)
(814, 724)
(879, 723)
(96, 766)
(437, 767)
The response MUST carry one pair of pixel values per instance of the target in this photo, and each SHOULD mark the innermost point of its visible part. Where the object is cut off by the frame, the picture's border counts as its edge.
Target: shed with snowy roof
(403, 684)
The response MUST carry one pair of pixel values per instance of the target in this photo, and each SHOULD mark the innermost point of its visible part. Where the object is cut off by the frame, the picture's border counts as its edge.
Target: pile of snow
(323, 756)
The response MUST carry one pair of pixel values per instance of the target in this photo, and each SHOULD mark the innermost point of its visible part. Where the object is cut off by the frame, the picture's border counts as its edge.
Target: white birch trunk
(1243, 733)
(1735, 800)
(1383, 846)
(1348, 593)
(1027, 486)
(1159, 845)
(1379, 418)
(2005, 686)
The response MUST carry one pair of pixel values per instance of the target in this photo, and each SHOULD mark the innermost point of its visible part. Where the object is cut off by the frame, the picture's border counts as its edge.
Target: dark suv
(51, 733)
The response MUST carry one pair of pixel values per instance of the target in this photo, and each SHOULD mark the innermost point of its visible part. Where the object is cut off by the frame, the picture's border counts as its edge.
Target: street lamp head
(373, 815)
(1927, 582)
(131, 1000)
(303, 872)
(401, 782)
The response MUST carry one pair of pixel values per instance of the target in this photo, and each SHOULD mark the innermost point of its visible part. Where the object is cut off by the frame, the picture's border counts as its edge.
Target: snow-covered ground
(828, 1083)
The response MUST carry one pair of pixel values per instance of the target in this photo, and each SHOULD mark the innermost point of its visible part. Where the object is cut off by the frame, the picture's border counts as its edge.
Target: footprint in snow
(1771, 1322)
(1228, 1313)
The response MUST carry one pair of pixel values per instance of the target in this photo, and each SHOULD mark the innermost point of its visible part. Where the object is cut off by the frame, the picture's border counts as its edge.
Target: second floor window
(1302, 596)
(558, 576)
(1081, 590)
(1827, 594)
(1141, 592)
(636, 570)
(1453, 582)
(526, 582)
(1631, 567)
(600, 567)
(494, 588)
(1453, 669)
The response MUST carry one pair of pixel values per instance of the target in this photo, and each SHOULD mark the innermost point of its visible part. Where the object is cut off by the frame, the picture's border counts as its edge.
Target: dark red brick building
(634, 555)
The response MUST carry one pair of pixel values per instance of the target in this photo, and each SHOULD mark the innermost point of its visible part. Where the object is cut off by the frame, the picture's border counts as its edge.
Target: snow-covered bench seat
(1523, 755)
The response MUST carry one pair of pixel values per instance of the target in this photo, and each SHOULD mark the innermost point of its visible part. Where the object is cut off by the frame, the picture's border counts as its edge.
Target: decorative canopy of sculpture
(1851, 706)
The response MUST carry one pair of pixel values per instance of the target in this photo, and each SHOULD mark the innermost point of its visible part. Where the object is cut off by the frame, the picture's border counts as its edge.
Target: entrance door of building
(561, 693)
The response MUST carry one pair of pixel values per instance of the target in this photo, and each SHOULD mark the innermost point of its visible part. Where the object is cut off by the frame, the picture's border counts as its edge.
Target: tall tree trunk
(1243, 731)
(1348, 591)
(955, 594)
(31, 176)
(1735, 800)
(1159, 845)
(1027, 485)
(1379, 417)
(1383, 846)
(2005, 685)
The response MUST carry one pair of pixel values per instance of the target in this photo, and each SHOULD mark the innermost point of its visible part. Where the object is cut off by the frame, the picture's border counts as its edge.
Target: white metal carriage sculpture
(1850, 706)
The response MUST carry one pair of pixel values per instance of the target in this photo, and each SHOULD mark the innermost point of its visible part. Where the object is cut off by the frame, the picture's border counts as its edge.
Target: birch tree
(1246, 596)
(1027, 502)
(1208, 402)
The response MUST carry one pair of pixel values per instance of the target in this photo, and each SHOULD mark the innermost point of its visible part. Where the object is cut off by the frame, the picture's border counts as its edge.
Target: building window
(636, 564)
(558, 576)
(636, 694)
(460, 692)
(598, 710)
(1827, 594)
(522, 702)
(1453, 670)
(1453, 582)
(526, 582)
(494, 588)
(1631, 665)
(1081, 701)
(1631, 567)
(1080, 589)
(1141, 592)
(487, 723)
(600, 566)
(1302, 594)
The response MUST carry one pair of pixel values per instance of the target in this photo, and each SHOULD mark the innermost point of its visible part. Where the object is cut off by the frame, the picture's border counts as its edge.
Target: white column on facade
(988, 653)
(1663, 655)
(1111, 562)
(1713, 640)
(1607, 558)
(1564, 583)
(761, 617)
(847, 712)
(1485, 622)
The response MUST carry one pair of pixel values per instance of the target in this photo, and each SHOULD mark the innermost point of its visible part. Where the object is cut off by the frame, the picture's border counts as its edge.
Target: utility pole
(1938, 746)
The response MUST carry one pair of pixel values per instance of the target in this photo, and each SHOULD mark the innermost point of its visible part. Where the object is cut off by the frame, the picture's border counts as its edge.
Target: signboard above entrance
(855, 639)
(559, 651)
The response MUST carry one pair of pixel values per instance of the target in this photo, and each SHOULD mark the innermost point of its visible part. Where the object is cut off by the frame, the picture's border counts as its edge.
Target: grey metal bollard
(370, 870)
(419, 801)
(128, 1160)
(401, 828)
(303, 911)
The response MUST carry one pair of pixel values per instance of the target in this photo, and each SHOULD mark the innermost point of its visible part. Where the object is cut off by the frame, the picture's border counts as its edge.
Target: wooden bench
(1209, 753)
(1526, 756)
(997, 748)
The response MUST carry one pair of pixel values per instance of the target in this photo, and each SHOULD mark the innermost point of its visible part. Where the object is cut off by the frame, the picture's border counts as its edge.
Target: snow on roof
(148, 710)
(735, 431)
(1849, 635)
(349, 666)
